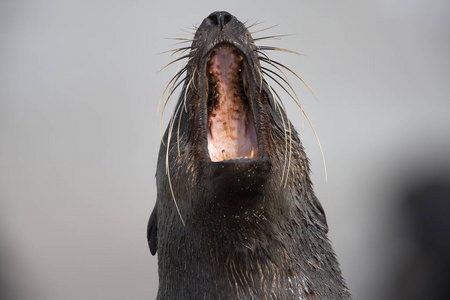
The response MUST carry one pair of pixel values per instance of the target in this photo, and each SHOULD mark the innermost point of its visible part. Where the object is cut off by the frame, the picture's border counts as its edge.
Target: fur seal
(236, 216)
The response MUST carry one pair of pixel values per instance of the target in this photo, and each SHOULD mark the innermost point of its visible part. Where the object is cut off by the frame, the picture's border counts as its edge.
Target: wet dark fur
(246, 236)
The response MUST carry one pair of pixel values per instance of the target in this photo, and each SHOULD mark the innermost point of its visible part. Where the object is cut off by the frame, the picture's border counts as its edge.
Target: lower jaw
(236, 176)
(240, 143)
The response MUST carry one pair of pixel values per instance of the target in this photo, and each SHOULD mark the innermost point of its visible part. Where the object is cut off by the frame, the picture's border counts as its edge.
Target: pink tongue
(227, 135)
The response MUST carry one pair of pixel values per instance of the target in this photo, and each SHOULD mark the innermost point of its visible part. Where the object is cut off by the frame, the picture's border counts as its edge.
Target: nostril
(220, 18)
(214, 18)
(226, 18)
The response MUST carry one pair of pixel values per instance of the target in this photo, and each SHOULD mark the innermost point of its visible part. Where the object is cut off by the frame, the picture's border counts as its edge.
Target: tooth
(224, 155)
(211, 60)
(238, 59)
(252, 153)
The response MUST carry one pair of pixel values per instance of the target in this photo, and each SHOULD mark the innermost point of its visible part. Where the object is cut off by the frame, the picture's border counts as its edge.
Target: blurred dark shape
(12, 284)
(424, 268)
(6, 286)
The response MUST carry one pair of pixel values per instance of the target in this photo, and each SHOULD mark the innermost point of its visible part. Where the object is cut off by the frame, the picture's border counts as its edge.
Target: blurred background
(79, 138)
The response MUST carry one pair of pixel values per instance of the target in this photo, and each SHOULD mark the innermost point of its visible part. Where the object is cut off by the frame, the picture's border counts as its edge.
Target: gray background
(79, 133)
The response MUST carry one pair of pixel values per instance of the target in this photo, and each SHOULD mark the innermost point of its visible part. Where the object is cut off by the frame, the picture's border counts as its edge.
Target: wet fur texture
(243, 234)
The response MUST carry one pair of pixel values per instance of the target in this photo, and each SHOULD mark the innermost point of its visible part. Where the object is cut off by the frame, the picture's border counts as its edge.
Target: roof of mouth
(231, 131)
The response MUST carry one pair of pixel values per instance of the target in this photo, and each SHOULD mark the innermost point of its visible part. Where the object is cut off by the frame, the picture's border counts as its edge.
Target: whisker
(181, 39)
(178, 109)
(306, 116)
(290, 145)
(265, 48)
(275, 37)
(269, 61)
(174, 78)
(285, 80)
(264, 29)
(284, 110)
(282, 86)
(171, 91)
(170, 88)
(290, 149)
(187, 30)
(275, 97)
(171, 83)
(261, 79)
(178, 132)
(183, 49)
(193, 76)
(180, 43)
(320, 146)
(256, 23)
(186, 91)
(169, 136)
(303, 112)
(279, 76)
(174, 61)
(295, 74)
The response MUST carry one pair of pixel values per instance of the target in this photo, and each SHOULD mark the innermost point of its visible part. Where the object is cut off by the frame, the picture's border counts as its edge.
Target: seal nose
(220, 18)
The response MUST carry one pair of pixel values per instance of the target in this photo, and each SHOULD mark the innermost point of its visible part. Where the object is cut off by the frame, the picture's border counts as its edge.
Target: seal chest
(236, 216)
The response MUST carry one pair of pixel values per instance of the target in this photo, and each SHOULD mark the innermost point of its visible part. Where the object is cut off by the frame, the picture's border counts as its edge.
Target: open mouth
(231, 128)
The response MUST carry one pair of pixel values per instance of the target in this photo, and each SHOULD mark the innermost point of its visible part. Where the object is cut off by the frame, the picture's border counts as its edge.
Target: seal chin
(231, 132)
(237, 176)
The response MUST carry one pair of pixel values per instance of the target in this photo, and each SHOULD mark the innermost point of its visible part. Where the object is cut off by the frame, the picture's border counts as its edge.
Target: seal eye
(231, 129)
